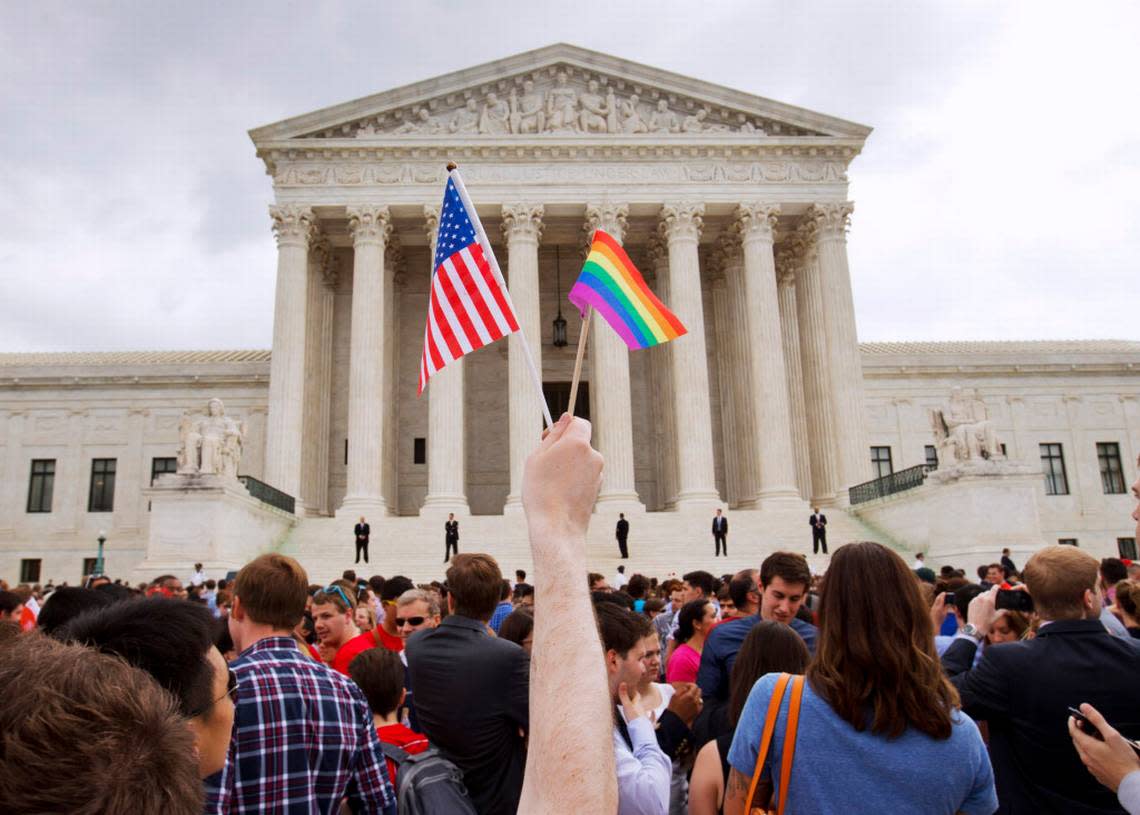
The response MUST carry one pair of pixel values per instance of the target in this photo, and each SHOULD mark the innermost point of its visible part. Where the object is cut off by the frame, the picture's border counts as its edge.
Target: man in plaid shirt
(303, 738)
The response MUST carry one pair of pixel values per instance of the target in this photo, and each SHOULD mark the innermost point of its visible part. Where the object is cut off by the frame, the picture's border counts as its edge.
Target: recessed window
(101, 497)
(932, 456)
(1127, 548)
(1053, 465)
(41, 485)
(162, 466)
(1067, 541)
(30, 570)
(1111, 472)
(881, 465)
(419, 451)
(89, 564)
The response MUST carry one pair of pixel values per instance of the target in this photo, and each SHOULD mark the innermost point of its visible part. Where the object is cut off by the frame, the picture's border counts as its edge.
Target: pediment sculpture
(558, 102)
(210, 443)
(963, 431)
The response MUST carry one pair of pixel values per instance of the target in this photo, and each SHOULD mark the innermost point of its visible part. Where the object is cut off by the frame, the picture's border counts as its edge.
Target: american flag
(467, 307)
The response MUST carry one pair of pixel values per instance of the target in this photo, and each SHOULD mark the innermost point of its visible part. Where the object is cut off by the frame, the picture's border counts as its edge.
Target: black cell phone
(1085, 725)
(1014, 600)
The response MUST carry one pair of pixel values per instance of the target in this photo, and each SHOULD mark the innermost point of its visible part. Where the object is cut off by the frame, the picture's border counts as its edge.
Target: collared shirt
(643, 771)
(502, 611)
(303, 739)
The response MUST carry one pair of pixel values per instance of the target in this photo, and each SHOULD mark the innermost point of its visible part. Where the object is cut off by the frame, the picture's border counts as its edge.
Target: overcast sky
(998, 198)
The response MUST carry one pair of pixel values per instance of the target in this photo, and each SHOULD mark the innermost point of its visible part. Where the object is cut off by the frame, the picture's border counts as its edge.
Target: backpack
(428, 783)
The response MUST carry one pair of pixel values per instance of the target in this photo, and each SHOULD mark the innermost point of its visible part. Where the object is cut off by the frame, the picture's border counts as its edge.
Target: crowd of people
(877, 686)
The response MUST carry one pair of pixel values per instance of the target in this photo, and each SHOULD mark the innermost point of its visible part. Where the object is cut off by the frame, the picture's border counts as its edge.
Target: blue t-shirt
(838, 769)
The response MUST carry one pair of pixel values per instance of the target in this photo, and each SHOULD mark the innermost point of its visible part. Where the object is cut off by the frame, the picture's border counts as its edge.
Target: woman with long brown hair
(879, 725)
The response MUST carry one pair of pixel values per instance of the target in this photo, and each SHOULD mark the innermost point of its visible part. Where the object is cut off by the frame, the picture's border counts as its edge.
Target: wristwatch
(971, 631)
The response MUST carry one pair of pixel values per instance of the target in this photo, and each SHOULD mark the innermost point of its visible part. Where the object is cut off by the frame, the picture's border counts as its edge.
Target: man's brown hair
(791, 567)
(273, 589)
(474, 581)
(875, 651)
(104, 736)
(1057, 578)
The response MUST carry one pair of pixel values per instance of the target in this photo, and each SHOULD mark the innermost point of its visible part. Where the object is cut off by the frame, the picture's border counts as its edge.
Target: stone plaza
(736, 210)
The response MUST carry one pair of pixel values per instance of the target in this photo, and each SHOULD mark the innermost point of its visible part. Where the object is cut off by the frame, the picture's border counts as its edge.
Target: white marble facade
(734, 207)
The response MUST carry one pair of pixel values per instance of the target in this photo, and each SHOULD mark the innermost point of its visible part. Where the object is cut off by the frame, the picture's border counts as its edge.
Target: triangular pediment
(557, 92)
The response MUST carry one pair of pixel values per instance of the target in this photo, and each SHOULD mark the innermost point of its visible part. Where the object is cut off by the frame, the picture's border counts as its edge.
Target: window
(1127, 548)
(161, 466)
(1067, 541)
(30, 571)
(41, 484)
(101, 498)
(1111, 473)
(932, 456)
(1053, 464)
(881, 462)
(89, 564)
(419, 451)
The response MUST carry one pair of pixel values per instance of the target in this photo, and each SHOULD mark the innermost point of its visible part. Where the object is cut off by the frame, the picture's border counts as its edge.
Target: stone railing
(269, 495)
(903, 480)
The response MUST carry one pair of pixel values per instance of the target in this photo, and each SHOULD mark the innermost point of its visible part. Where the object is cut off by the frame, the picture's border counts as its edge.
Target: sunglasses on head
(412, 621)
(335, 589)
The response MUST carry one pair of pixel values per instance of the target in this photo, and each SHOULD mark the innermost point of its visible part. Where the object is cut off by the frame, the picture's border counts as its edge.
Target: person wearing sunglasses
(416, 609)
(173, 641)
(334, 611)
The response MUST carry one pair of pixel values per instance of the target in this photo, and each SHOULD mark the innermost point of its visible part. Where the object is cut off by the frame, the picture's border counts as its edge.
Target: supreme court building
(734, 207)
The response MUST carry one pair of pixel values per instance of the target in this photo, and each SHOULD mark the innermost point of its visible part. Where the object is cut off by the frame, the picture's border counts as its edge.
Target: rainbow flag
(612, 285)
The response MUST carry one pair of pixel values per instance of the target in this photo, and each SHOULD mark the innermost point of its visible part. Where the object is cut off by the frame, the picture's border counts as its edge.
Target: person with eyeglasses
(173, 641)
(334, 610)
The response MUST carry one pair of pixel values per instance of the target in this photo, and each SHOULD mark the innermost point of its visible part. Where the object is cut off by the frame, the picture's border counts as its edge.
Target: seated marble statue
(211, 444)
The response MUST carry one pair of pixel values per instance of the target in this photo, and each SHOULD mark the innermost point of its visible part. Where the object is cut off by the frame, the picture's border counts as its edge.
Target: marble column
(612, 416)
(661, 363)
(323, 277)
(777, 479)
(740, 380)
(846, 367)
(371, 228)
(789, 330)
(393, 275)
(446, 440)
(522, 228)
(293, 226)
(681, 228)
(725, 360)
(814, 361)
(17, 471)
(131, 470)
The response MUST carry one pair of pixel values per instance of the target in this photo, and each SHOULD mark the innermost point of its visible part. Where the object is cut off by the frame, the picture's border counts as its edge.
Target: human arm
(643, 771)
(1112, 762)
(706, 786)
(571, 718)
(736, 793)
(984, 690)
(370, 789)
(674, 725)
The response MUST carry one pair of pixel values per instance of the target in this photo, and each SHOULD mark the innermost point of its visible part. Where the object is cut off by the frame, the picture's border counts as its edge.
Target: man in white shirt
(620, 579)
(919, 562)
(199, 576)
(643, 769)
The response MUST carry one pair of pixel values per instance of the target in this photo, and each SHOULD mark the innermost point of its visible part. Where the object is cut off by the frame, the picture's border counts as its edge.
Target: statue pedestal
(207, 519)
(965, 514)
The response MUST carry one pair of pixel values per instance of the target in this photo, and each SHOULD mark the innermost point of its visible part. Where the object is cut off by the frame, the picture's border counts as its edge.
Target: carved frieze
(559, 100)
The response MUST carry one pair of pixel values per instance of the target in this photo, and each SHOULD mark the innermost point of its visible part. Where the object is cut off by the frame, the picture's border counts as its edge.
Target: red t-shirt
(403, 738)
(389, 641)
(349, 651)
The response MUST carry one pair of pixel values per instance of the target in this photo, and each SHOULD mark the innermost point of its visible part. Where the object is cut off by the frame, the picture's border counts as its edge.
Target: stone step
(660, 543)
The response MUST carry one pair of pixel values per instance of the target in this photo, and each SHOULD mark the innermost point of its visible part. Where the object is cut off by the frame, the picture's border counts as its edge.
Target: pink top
(683, 664)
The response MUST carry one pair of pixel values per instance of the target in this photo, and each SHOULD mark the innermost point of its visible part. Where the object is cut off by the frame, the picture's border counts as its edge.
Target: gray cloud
(995, 198)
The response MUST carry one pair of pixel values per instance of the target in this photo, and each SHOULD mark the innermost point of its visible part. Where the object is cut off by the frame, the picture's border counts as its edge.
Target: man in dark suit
(1024, 689)
(450, 537)
(1007, 563)
(623, 534)
(472, 688)
(361, 532)
(720, 533)
(818, 523)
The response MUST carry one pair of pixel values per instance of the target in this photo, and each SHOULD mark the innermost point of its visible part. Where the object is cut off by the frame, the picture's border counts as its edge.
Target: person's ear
(237, 610)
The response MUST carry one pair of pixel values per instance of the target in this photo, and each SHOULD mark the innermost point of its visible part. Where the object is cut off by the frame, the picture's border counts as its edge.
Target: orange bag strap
(790, 729)
(766, 737)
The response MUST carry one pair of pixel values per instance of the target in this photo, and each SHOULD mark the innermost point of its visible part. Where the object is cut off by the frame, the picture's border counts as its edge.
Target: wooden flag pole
(453, 171)
(578, 359)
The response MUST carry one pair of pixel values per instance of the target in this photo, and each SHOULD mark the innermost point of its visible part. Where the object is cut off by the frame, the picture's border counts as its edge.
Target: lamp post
(559, 339)
(99, 559)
